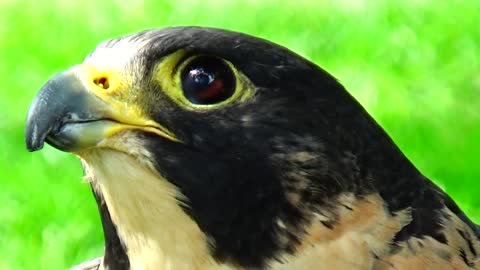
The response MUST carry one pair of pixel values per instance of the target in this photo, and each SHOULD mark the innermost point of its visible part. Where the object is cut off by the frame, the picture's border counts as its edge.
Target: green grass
(415, 66)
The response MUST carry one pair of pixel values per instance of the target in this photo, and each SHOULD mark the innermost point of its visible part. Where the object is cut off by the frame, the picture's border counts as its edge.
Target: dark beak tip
(61, 96)
(34, 146)
(33, 141)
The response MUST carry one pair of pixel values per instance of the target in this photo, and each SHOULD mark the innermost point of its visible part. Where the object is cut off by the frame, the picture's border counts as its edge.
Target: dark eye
(207, 80)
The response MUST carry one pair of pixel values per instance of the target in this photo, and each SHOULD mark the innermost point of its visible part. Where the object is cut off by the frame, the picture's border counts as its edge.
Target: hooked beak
(73, 111)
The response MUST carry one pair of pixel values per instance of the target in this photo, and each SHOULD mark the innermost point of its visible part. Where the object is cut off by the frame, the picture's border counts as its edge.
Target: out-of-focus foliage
(415, 65)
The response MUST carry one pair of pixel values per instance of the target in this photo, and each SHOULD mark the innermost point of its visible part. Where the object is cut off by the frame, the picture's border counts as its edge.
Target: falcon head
(207, 149)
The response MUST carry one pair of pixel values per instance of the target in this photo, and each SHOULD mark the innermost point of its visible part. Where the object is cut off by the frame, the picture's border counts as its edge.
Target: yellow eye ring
(201, 81)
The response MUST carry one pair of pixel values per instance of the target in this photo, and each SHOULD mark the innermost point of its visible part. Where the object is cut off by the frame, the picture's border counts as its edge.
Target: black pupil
(207, 80)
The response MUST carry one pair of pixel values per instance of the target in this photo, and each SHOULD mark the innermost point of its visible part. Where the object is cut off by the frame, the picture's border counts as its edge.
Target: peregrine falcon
(211, 149)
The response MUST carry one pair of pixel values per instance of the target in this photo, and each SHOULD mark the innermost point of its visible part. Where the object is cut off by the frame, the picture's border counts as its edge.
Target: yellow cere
(109, 86)
(168, 72)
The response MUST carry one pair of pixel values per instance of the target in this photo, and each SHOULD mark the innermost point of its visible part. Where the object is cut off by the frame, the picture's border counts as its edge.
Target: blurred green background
(415, 66)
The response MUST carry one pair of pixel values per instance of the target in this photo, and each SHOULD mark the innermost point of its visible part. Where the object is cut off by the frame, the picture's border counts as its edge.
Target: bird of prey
(209, 149)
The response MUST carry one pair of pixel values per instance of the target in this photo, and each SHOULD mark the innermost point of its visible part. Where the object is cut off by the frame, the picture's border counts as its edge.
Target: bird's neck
(147, 215)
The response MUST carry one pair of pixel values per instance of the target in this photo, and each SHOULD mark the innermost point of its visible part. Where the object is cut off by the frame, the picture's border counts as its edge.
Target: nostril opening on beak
(102, 82)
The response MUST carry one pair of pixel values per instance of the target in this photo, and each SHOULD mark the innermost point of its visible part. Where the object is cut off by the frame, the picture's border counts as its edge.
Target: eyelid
(168, 71)
(187, 57)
